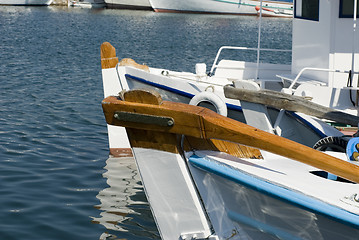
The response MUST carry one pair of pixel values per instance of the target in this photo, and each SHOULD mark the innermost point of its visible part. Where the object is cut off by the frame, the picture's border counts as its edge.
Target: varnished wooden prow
(108, 56)
(144, 138)
(142, 96)
(132, 63)
(205, 125)
(110, 60)
(169, 142)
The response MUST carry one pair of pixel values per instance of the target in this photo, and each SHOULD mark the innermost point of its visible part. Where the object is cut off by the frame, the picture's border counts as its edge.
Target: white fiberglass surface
(272, 198)
(295, 176)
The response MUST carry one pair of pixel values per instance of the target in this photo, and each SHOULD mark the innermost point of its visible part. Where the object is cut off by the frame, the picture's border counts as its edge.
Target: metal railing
(214, 66)
(318, 70)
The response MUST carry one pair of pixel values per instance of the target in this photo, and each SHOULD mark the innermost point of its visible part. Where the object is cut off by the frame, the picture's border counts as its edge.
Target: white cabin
(323, 37)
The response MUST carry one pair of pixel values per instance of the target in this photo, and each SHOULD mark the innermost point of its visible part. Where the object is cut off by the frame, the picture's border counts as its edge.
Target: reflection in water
(124, 206)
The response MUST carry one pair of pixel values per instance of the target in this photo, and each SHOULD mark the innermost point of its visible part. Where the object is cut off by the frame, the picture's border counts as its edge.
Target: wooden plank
(188, 122)
(170, 142)
(131, 63)
(159, 141)
(153, 139)
(110, 60)
(142, 96)
(234, 149)
(290, 103)
(203, 123)
(108, 56)
(121, 152)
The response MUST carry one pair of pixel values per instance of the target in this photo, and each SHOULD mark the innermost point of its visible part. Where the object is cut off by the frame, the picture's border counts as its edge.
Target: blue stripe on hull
(229, 106)
(274, 191)
(174, 90)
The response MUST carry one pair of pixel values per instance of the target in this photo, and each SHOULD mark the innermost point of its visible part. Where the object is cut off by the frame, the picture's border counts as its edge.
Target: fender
(212, 98)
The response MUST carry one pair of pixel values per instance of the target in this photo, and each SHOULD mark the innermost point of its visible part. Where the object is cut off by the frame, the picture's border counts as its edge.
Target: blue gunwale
(269, 189)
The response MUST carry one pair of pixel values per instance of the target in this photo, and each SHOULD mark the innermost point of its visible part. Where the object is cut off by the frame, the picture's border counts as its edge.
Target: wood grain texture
(131, 63)
(121, 152)
(108, 56)
(142, 96)
(153, 139)
(203, 123)
(290, 103)
(234, 149)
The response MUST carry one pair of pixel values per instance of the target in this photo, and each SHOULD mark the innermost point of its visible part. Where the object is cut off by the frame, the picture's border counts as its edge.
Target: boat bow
(145, 110)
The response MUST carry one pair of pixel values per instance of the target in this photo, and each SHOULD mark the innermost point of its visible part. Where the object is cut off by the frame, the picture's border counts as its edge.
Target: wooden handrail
(203, 123)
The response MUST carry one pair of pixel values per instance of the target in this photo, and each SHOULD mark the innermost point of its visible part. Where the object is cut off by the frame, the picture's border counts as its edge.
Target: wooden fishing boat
(329, 82)
(207, 176)
(322, 68)
(197, 89)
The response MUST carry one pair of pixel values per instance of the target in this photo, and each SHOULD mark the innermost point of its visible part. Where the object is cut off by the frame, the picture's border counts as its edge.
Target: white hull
(128, 4)
(88, 4)
(26, 2)
(246, 198)
(246, 7)
(263, 198)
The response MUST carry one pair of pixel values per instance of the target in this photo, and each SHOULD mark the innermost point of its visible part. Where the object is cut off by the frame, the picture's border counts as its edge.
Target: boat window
(346, 8)
(307, 9)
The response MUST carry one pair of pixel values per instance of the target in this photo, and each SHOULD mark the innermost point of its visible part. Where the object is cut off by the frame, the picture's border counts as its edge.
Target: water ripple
(55, 182)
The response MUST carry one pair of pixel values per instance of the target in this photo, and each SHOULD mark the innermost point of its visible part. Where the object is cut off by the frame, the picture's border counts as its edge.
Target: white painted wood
(117, 136)
(171, 193)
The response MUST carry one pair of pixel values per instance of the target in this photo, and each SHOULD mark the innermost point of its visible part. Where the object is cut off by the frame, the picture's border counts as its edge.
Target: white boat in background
(129, 4)
(245, 7)
(277, 12)
(26, 2)
(87, 3)
(210, 177)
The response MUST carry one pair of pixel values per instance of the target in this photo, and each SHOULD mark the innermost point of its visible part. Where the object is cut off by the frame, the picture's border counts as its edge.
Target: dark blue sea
(56, 181)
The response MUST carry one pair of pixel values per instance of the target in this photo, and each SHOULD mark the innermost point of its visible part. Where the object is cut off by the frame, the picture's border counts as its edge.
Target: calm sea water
(56, 181)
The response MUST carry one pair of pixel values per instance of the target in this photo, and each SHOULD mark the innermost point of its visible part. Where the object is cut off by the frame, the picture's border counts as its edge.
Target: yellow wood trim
(131, 63)
(108, 56)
